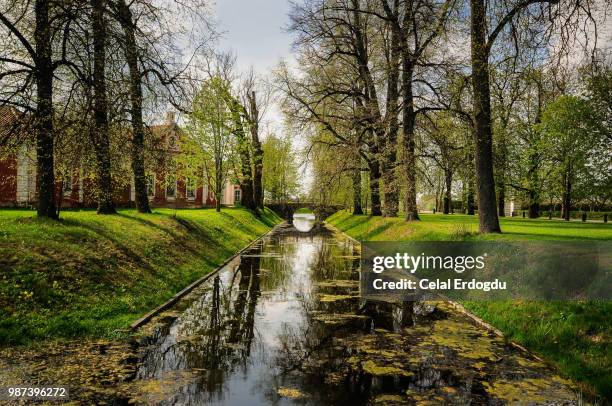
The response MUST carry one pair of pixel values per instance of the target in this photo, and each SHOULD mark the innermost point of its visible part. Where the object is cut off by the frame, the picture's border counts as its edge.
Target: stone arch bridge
(288, 209)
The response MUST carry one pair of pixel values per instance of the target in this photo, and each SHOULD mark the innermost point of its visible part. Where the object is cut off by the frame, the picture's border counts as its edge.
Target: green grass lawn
(92, 275)
(574, 336)
(435, 227)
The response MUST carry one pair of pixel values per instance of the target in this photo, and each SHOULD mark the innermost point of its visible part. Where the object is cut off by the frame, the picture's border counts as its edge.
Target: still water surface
(284, 324)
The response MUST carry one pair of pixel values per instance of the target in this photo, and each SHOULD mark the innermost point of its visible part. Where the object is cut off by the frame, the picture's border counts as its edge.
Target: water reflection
(285, 324)
(304, 222)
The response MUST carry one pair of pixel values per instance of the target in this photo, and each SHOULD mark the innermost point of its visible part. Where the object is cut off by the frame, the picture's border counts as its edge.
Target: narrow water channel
(284, 324)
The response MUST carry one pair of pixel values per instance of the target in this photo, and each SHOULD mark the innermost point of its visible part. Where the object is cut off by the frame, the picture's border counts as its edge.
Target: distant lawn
(575, 336)
(92, 275)
(303, 210)
(434, 227)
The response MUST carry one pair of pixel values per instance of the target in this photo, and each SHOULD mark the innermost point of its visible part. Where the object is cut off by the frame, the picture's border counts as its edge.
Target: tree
(31, 56)
(599, 89)
(280, 169)
(506, 89)
(210, 131)
(244, 152)
(568, 124)
(147, 36)
(446, 150)
(416, 35)
(258, 152)
(132, 54)
(100, 130)
(339, 86)
(488, 22)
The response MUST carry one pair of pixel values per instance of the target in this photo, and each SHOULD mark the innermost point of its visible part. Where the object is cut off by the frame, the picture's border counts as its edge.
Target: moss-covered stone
(291, 393)
(375, 369)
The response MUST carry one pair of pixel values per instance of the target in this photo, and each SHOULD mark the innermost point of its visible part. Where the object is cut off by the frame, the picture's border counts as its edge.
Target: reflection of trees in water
(277, 268)
(242, 324)
(389, 316)
(214, 335)
(316, 349)
(331, 261)
(322, 353)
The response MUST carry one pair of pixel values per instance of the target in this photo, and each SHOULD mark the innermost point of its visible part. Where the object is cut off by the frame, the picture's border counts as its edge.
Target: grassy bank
(92, 275)
(575, 336)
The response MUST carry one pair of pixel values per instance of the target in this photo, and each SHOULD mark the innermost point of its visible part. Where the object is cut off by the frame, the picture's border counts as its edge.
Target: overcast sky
(253, 29)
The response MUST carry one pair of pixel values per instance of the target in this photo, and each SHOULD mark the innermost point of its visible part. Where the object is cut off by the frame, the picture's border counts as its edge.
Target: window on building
(237, 196)
(150, 181)
(67, 184)
(171, 187)
(190, 186)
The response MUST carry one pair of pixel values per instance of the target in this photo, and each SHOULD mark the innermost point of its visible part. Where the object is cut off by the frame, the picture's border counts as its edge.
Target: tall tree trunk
(534, 204)
(448, 182)
(487, 208)
(408, 121)
(566, 202)
(356, 175)
(501, 199)
(501, 175)
(219, 184)
(470, 197)
(533, 173)
(100, 131)
(258, 194)
(44, 113)
(389, 152)
(246, 181)
(534, 185)
(375, 188)
(138, 134)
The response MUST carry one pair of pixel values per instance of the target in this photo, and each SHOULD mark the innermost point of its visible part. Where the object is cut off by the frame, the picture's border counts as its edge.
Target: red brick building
(18, 176)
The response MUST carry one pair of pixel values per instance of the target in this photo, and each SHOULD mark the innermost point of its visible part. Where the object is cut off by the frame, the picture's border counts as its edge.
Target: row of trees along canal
(83, 75)
(422, 96)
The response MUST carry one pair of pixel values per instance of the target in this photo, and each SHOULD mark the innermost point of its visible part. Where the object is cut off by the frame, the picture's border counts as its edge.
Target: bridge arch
(288, 209)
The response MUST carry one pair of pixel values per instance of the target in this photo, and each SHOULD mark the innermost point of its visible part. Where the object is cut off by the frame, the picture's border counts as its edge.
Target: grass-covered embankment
(92, 275)
(575, 336)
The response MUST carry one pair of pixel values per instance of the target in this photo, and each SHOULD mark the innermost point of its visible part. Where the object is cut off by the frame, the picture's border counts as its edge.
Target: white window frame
(153, 179)
(67, 191)
(175, 187)
(194, 188)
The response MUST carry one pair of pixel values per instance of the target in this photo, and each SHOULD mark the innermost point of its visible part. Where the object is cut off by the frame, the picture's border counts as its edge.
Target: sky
(253, 29)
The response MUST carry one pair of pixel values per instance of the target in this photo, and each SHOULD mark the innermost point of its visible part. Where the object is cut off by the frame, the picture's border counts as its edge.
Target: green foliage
(567, 123)
(91, 275)
(571, 137)
(280, 169)
(332, 166)
(599, 87)
(209, 142)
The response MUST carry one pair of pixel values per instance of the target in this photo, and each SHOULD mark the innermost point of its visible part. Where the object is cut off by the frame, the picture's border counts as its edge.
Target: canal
(284, 324)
